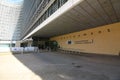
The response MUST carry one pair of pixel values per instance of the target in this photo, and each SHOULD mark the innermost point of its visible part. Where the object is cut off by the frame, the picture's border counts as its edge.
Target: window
(99, 31)
(91, 33)
(84, 34)
(108, 30)
(50, 10)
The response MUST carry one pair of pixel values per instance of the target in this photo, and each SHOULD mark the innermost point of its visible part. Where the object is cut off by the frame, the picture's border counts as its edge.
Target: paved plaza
(56, 66)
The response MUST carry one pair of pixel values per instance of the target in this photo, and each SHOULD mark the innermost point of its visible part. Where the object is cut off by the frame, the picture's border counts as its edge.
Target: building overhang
(77, 15)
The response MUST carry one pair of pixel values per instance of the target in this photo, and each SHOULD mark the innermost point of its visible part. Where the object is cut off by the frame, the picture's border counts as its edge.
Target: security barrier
(24, 49)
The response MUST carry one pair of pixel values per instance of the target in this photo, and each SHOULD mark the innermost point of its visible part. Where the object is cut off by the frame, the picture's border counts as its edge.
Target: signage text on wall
(84, 41)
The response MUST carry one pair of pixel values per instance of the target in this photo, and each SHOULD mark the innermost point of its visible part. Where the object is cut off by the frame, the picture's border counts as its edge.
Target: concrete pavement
(54, 66)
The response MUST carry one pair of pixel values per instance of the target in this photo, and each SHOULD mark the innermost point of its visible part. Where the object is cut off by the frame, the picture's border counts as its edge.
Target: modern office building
(88, 26)
(9, 22)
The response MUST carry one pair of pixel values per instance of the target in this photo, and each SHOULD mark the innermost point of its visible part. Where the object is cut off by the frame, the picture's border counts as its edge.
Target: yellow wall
(104, 40)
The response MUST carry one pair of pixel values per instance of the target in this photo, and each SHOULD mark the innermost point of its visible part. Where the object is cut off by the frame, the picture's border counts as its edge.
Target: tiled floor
(54, 66)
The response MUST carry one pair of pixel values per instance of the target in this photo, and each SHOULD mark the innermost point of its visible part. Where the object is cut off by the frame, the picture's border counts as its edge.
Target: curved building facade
(9, 20)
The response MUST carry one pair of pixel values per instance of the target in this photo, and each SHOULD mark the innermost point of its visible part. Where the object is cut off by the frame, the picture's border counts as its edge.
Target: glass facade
(17, 19)
(9, 20)
(39, 14)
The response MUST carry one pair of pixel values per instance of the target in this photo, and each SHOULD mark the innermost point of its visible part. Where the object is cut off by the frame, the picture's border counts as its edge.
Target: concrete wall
(100, 40)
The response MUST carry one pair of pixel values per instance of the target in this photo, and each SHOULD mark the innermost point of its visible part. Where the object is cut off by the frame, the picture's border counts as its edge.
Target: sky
(14, 1)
